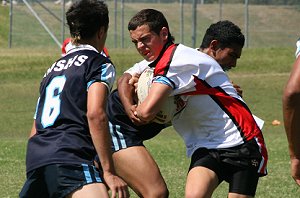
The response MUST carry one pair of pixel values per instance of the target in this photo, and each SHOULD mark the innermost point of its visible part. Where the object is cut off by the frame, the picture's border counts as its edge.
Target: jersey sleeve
(163, 80)
(36, 108)
(102, 71)
(176, 68)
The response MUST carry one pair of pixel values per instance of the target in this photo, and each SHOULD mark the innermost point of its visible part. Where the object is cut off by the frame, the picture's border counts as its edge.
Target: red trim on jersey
(163, 64)
(65, 43)
(105, 51)
(238, 112)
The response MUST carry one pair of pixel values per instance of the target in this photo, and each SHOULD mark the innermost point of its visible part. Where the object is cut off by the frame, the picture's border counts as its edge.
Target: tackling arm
(126, 89)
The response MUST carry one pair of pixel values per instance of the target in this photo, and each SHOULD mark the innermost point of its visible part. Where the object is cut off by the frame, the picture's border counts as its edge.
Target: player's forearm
(292, 129)
(291, 115)
(126, 91)
(102, 141)
(154, 101)
(291, 110)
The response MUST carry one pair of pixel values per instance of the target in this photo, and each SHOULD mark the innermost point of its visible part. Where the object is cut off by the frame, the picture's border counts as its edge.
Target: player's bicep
(293, 82)
(97, 96)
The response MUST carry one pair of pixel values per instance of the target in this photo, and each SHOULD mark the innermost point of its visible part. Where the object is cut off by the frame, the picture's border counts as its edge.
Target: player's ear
(164, 33)
(214, 45)
(101, 32)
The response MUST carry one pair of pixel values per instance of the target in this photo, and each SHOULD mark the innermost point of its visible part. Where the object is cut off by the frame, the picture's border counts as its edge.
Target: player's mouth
(147, 54)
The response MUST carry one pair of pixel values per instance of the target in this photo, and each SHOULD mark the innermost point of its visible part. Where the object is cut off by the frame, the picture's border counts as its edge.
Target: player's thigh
(145, 174)
(35, 185)
(94, 190)
(201, 182)
(243, 182)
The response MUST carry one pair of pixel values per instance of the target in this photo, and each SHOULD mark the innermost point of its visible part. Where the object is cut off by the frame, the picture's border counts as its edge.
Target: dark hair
(85, 17)
(226, 32)
(153, 18)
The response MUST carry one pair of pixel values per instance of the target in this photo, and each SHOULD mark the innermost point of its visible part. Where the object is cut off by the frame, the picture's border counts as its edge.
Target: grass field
(261, 72)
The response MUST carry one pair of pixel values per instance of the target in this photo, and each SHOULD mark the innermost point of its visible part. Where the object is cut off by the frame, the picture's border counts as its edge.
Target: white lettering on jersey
(70, 62)
(59, 65)
(49, 70)
(66, 63)
(80, 60)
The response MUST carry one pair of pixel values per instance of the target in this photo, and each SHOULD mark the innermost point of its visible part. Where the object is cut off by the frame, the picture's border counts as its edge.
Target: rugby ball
(168, 110)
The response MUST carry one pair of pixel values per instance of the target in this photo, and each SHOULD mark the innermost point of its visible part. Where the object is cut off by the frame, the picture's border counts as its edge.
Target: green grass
(4, 26)
(261, 73)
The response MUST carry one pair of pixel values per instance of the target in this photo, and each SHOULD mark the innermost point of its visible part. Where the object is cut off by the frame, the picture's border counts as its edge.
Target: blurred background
(265, 23)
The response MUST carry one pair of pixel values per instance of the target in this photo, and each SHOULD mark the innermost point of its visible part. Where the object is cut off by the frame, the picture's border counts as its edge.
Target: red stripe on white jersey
(238, 111)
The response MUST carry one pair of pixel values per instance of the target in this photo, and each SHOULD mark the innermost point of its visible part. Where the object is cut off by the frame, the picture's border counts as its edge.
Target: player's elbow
(98, 116)
(124, 79)
(146, 114)
(291, 97)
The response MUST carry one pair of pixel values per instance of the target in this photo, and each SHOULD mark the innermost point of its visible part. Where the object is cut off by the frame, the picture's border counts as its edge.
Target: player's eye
(234, 56)
(134, 42)
(145, 39)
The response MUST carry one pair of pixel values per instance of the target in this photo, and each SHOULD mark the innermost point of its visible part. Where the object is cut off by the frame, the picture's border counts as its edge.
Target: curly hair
(226, 32)
(85, 17)
(153, 18)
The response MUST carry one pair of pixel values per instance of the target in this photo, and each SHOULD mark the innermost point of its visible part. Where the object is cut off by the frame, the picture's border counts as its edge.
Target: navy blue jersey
(62, 128)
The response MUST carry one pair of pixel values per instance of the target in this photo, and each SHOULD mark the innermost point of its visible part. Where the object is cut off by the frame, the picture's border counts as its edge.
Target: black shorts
(237, 165)
(123, 132)
(59, 180)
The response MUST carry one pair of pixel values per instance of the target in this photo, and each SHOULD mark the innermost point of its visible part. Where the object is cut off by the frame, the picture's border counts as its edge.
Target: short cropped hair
(226, 32)
(86, 17)
(153, 18)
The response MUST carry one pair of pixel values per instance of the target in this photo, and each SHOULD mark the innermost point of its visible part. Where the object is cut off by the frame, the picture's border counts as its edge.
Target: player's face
(147, 42)
(227, 57)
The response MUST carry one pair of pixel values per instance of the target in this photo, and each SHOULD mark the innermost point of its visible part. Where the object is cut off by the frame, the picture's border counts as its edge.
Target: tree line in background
(253, 2)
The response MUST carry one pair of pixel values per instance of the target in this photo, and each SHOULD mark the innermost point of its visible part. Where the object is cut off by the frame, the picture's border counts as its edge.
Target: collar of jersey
(82, 47)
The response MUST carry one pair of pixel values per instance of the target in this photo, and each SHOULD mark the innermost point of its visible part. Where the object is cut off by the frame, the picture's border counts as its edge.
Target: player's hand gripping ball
(172, 105)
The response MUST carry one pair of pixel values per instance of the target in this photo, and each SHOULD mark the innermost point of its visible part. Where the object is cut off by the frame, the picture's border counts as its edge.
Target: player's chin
(149, 57)
(226, 68)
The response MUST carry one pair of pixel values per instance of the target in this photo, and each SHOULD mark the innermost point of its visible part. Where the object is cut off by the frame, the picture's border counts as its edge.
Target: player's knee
(197, 194)
(159, 192)
(162, 193)
(192, 195)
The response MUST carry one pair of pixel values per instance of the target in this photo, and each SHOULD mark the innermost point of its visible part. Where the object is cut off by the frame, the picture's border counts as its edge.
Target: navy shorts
(123, 132)
(237, 165)
(59, 180)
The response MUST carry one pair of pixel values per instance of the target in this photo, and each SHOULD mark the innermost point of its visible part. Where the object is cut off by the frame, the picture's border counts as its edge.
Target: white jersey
(215, 115)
